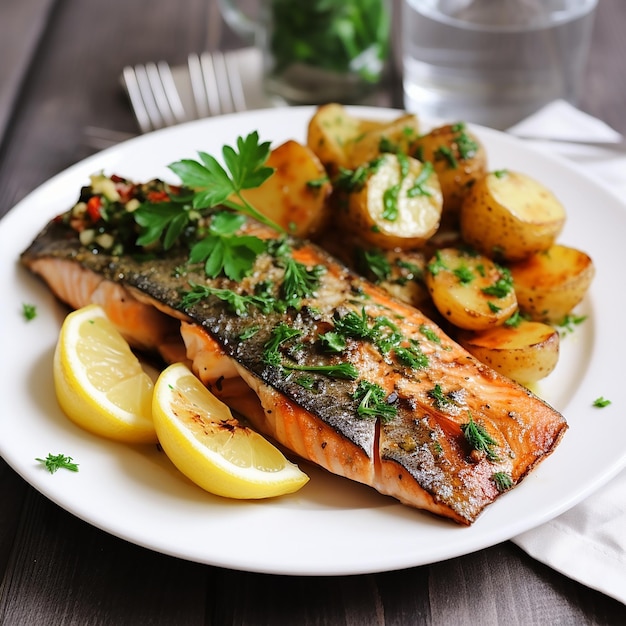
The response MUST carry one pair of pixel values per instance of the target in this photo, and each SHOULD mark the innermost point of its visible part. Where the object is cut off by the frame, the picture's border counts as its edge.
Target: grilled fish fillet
(420, 452)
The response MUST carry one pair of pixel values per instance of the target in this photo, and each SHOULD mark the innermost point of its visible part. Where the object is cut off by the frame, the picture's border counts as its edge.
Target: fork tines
(216, 84)
(153, 96)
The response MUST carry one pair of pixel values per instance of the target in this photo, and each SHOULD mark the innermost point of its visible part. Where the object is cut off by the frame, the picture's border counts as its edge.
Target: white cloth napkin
(587, 543)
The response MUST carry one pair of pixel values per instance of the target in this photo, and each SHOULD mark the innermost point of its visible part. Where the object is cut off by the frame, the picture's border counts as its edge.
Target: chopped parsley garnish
(280, 335)
(299, 281)
(316, 183)
(445, 153)
(566, 325)
(418, 188)
(601, 402)
(341, 370)
(500, 173)
(54, 462)
(437, 264)
(429, 333)
(354, 325)
(284, 333)
(515, 320)
(238, 303)
(373, 262)
(440, 399)
(373, 401)
(333, 341)
(502, 480)
(411, 355)
(391, 210)
(248, 333)
(29, 311)
(502, 286)
(464, 274)
(479, 439)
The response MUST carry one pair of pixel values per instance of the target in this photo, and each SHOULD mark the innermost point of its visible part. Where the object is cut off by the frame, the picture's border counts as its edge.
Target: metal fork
(216, 84)
(153, 96)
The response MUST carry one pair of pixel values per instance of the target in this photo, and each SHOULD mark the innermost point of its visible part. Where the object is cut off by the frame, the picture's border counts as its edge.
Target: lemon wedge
(208, 445)
(100, 384)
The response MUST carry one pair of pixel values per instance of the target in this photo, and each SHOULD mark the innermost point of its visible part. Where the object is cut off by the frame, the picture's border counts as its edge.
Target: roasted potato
(394, 136)
(396, 203)
(470, 290)
(296, 195)
(459, 159)
(526, 353)
(509, 216)
(550, 284)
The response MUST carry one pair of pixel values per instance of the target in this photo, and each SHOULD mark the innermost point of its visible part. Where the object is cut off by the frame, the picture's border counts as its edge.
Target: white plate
(332, 526)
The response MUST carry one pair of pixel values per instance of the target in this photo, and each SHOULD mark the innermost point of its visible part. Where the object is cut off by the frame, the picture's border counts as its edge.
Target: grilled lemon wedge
(208, 445)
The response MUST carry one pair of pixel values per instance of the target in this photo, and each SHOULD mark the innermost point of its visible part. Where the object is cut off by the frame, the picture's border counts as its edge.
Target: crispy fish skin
(420, 456)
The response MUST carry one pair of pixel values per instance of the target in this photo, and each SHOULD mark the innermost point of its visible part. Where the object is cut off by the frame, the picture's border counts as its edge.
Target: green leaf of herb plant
(215, 185)
(224, 251)
(162, 220)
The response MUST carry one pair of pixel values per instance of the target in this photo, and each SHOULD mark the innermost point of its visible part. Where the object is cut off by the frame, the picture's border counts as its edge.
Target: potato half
(296, 195)
(509, 216)
(550, 284)
(526, 353)
(394, 136)
(470, 290)
(459, 159)
(397, 205)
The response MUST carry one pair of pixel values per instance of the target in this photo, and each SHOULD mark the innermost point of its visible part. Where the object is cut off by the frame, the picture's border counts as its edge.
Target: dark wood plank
(27, 20)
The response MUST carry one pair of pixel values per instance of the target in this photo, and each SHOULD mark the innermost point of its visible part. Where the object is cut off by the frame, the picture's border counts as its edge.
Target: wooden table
(60, 62)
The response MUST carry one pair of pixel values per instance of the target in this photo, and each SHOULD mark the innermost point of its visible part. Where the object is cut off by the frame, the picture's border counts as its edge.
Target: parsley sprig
(215, 185)
(223, 250)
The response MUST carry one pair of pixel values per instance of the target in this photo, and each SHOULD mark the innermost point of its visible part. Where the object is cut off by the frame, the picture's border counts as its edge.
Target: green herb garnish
(440, 399)
(464, 274)
(373, 401)
(437, 264)
(29, 311)
(478, 438)
(341, 370)
(238, 303)
(215, 185)
(223, 251)
(59, 461)
(601, 402)
(280, 335)
(502, 480)
(502, 286)
(411, 355)
(373, 262)
(418, 188)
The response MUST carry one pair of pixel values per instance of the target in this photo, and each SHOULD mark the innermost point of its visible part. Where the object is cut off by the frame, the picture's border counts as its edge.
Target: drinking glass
(492, 62)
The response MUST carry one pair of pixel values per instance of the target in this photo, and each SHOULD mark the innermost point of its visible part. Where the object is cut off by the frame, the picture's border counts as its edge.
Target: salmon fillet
(412, 414)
